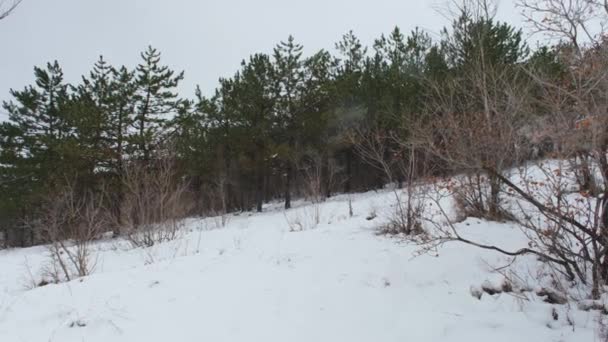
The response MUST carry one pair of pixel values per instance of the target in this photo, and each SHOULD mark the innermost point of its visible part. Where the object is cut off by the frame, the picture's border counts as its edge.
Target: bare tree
(218, 199)
(473, 129)
(576, 21)
(154, 202)
(579, 99)
(482, 132)
(71, 221)
(403, 164)
(565, 224)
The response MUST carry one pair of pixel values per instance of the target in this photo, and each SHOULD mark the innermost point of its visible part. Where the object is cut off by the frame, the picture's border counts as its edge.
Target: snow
(257, 280)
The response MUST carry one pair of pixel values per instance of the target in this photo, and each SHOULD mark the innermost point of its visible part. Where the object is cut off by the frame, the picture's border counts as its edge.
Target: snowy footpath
(255, 280)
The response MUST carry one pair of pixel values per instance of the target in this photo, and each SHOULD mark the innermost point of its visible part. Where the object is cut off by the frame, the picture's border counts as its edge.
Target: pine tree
(121, 118)
(319, 117)
(39, 117)
(483, 42)
(155, 102)
(32, 149)
(289, 83)
(90, 113)
(257, 97)
(435, 66)
(350, 69)
(350, 99)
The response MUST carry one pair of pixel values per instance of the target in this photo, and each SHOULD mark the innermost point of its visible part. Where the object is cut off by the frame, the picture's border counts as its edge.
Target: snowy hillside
(255, 280)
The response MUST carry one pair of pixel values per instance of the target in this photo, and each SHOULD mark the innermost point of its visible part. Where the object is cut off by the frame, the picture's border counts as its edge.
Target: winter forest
(480, 124)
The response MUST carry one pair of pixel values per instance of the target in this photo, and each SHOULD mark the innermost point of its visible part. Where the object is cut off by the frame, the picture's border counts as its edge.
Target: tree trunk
(288, 175)
(259, 187)
(349, 171)
(326, 175)
(494, 201)
(120, 197)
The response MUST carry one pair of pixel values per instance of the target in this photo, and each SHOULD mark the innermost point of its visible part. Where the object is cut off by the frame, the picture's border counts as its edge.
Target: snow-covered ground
(255, 280)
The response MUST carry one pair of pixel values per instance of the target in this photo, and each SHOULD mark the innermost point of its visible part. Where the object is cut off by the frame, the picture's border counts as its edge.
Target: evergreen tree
(32, 148)
(155, 101)
(39, 118)
(90, 112)
(258, 99)
(289, 78)
(350, 69)
(435, 66)
(349, 100)
(122, 105)
(483, 41)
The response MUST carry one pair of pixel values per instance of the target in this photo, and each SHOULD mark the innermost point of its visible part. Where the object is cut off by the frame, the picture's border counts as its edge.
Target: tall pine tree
(155, 102)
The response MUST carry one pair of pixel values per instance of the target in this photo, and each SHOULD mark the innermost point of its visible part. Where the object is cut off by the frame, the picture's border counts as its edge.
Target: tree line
(282, 122)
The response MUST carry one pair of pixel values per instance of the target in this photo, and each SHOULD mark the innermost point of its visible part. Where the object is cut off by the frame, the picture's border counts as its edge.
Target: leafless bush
(319, 175)
(469, 197)
(562, 227)
(398, 160)
(303, 218)
(565, 224)
(219, 200)
(410, 205)
(312, 169)
(573, 202)
(313, 179)
(153, 203)
(468, 137)
(71, 221)
(474, 117)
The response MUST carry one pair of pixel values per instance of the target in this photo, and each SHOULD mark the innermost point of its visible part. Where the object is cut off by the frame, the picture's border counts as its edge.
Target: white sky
(207, 39)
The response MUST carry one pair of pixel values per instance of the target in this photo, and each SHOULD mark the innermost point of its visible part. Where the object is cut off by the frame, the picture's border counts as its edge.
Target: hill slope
(255, 280)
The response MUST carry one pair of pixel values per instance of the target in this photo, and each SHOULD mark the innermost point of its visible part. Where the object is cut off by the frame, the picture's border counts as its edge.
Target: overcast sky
(207, 39)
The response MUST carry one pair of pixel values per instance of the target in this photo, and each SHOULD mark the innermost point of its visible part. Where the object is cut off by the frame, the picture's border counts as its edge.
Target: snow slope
(254, 280)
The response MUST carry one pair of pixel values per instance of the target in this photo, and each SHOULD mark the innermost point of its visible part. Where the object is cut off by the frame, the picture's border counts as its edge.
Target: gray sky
(207, 39)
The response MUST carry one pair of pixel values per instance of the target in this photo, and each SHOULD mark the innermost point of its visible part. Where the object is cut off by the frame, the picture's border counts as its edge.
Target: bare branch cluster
(6, 8)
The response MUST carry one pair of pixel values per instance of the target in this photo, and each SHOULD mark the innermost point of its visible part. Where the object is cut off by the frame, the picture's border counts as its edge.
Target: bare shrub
(470, 194)
(563, 223)
(559, 205)
(312, 170)
(313, 186)
(71, 221)
(469, 198)
(467, 139)
(154, 205)
(563, 228)
(410, 205)
(473, 116)
(319, 176)
(574, 222)
(303, 218)
(219, 200)
(403, 167)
